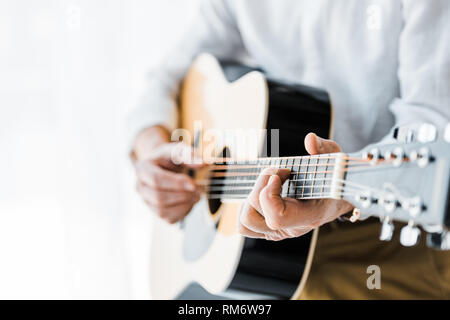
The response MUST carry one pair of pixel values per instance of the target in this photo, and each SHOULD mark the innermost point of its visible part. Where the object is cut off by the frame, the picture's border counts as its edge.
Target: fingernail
(272, 179)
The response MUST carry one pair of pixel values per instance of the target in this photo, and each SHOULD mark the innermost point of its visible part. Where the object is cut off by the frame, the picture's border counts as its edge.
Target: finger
(174, 213)
(252, 220)
(262, 181)
(272, 205)
(280, 213)
(287, 233)
(296, 214)
(316, 145)
(161, 179)
(178, 154)
(161, 198)
(252, 224)
(243, 230)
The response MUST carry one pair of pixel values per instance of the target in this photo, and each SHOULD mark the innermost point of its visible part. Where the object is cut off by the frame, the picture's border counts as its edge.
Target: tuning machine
(439, 241)
(414, 206)
(409, 236)
(388, 202)
(365, 199)
(374, 155)
(403, 134)
(397, 156)
(423, 133)
(387, 229)
(447, 133)
(422, 157)
(427, 133)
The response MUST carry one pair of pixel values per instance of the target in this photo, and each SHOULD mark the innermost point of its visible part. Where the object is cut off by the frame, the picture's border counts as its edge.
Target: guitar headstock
(407, 180)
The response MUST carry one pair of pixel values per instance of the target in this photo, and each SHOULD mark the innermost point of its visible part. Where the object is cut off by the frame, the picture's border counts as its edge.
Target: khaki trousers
(345, 251)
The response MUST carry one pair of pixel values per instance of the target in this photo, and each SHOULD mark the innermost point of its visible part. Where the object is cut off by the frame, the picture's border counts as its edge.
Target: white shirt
(384, 62)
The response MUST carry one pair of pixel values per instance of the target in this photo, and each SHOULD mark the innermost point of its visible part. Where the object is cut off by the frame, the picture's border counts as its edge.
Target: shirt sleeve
(424, 65)
(215, 32)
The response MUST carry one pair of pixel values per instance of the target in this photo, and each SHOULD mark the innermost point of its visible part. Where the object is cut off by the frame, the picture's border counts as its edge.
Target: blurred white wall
(71, 225)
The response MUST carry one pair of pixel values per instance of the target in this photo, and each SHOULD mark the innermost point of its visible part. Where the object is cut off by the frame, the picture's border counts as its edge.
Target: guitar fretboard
(311, 177)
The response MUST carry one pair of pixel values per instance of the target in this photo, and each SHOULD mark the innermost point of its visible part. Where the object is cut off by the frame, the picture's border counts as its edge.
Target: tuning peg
(439, 241)
(365, 199)
(374, 155)
(387, 230)
(398, 156)
(404, 134)
(427, 133)
(409, 236)
(414, 206)
(388, 201)
(424, 157)
(447, 133)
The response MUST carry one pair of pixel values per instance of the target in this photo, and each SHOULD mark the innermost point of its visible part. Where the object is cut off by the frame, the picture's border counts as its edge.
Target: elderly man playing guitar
(385, 64)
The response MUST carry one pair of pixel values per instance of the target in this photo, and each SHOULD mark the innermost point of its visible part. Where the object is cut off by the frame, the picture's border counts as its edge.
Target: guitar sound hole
(217, 183)
(214, 205)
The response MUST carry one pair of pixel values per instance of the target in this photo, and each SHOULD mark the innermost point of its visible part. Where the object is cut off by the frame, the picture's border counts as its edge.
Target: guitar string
(315, 156)
(341, 193)
(315, 196)
(248, 163)
(300, 165)
(258, 166)
(224, 183)
(352, 164)
(248, 191)
(357, 187)
(347, 169)
(290, 188)
(228, 168)
(290, 180)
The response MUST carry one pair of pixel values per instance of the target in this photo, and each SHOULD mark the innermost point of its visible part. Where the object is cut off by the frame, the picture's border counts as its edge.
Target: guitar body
(206, 247)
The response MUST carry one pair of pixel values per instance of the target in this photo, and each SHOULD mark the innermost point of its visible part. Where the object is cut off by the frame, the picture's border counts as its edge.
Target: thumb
(316, 145)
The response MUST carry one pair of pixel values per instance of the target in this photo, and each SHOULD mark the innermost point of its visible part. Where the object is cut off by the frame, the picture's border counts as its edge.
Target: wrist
(148, 140)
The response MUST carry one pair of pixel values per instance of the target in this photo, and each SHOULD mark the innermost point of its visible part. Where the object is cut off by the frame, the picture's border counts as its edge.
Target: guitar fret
(324, 176)
(296, 169)
(282, 165)
(290, 166)
(309, 176)
(304, 169)
(315, 167)
(329, 175)
(323, 168)
(277, 163)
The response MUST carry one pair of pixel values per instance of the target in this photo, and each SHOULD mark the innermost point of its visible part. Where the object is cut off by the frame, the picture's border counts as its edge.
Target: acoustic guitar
(407, 180)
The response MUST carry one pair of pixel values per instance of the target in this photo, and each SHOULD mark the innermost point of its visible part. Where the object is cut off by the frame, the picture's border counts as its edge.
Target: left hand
(267, 215)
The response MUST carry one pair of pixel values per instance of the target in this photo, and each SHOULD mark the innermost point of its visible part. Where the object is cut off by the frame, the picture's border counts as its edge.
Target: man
(384, 62)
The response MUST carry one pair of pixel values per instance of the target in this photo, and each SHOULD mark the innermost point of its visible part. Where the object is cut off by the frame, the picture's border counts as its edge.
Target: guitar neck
(311, 177)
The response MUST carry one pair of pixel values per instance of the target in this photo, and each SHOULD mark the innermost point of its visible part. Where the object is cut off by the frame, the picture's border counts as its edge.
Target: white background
(71, 225)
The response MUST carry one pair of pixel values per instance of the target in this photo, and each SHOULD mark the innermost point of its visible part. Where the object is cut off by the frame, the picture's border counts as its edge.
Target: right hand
(163, 185)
